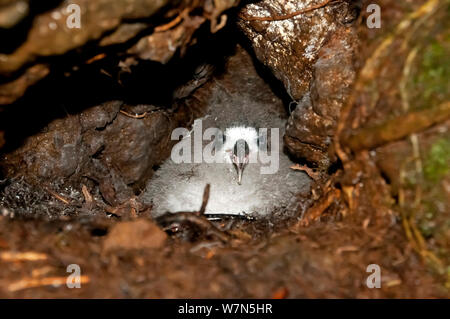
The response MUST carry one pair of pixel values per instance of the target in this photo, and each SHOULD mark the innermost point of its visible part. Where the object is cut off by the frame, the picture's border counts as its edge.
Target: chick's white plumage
(233, 134)
(179, 187)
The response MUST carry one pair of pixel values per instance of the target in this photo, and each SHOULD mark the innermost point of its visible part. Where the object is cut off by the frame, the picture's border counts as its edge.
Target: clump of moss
(437, 161)
(436, 66)
(433, 217)
(430, 84)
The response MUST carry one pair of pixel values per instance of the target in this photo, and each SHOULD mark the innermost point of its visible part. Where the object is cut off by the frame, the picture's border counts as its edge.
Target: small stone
(137, 234)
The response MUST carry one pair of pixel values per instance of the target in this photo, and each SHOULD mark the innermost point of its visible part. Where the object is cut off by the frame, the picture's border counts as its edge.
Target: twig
(197, 218)
(134, 207)
(134, 116)
(311, 173)
(132, 203)
(87, 196)
(316, 211)
(103, 71)
(220, 25)
(205, 200)
(40, 272)
(39, 282)
(289, 15)
(403, 87)
(174, 22)
(57, 196)
(143, 115)
(12, 256)
(349, 248)
(96, 58)
(413, 234)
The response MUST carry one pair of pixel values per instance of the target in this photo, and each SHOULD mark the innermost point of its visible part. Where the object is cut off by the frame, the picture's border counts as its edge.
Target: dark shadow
(73, 86)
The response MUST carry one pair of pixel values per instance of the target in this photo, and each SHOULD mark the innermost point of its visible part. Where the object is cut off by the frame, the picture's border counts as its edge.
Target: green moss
(437, 161)
(431, 82)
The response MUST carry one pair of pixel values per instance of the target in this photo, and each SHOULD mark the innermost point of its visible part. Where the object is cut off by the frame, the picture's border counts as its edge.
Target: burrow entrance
(89, 178)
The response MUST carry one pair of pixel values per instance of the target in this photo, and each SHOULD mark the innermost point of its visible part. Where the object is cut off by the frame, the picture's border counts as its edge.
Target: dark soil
(323, 260)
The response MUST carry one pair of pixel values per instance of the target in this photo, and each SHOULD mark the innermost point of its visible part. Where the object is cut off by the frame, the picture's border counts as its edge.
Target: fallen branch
(397, 128)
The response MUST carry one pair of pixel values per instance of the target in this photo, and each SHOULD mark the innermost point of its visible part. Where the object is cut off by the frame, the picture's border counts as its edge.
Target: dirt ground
(324, 260)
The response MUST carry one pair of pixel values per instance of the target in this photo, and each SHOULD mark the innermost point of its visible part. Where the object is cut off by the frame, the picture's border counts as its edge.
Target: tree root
(175, 221)
(397, 128)
(290, 15)
(319, 208)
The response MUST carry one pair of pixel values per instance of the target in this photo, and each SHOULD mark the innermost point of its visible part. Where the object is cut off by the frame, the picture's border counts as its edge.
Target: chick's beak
(240, 169)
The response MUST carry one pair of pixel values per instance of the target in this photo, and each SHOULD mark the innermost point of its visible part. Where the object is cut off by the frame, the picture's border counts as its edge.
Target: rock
(161, 46)
(311, 126)
(108, 23)
(308, 135)
(313, 54)
(289, 47)
(137, 234)
(334, 73)
(123, 33)
(12, 12)
(50, 34)
(54, 153)
(100, 143)
(133, 142)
